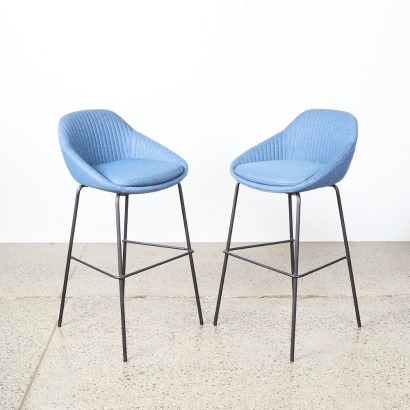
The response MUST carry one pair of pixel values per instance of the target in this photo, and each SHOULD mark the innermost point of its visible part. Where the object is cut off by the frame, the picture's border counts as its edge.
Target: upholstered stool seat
(139, 172)
(276, 176)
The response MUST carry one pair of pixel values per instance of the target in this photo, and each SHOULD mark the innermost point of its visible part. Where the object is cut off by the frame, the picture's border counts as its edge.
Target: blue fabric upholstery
(279, 172)
(139, 172)
(314, 151)
(102, 151)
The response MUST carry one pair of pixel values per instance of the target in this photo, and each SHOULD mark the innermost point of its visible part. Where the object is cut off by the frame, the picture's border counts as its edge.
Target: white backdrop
(208, 79)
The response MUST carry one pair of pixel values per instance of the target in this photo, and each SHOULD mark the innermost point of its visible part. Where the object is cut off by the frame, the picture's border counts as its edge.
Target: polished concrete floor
(176, 364)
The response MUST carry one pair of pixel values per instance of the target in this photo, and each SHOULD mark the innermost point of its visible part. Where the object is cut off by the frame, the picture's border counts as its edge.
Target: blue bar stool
(103, 152)
(314, 151)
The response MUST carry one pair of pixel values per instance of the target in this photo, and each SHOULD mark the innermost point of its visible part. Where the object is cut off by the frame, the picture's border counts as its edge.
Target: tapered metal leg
(349, 261)
(121, 281)
(191, 259)
(70, 249)
(228, 246)
(295, 267)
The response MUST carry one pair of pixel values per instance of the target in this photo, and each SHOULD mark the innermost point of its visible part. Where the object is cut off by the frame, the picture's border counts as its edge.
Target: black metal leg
(121, 281)
(124, 244)
(228, 246)
(293, 332)
(70, 249)
(191, 259)
(291, 243)
(349, 261)
(295, 267)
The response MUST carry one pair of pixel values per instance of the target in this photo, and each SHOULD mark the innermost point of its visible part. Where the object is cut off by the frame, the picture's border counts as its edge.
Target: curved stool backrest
(321, 136)
(97, 136)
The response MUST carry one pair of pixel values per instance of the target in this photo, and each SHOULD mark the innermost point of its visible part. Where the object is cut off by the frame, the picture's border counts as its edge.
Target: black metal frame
(294, 234)
(122, 258)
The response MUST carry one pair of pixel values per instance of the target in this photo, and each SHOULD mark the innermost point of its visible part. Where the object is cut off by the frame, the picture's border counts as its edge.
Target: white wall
(208, 79)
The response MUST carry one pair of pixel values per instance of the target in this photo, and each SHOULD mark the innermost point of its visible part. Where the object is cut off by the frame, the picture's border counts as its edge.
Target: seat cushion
(136, 172)
(280, 172)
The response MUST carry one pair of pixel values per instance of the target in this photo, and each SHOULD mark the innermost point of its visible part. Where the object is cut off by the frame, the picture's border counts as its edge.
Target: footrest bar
(281, 271)
(321, 267)
(94, 267)
(135, 272)
(259, 245)
(155, 265)
(259, 264)
(156, 245)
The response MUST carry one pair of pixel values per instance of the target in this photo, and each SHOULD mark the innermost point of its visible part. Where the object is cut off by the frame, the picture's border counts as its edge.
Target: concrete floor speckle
(174, 363)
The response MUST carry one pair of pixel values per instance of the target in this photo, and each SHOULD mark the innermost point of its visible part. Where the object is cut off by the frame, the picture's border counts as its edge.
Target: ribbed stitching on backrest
(320, 135)
(98, 136)
(143, 147)
(273, 148)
